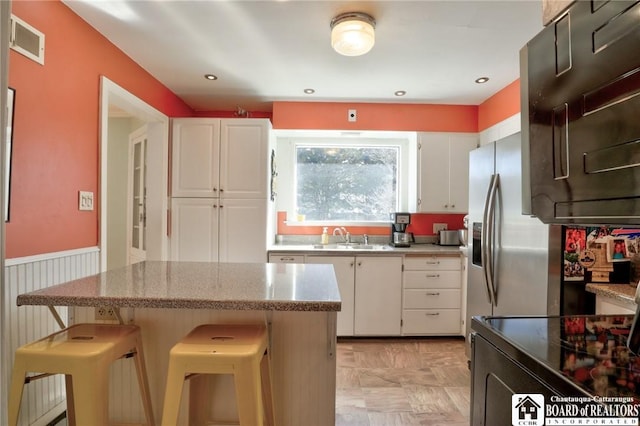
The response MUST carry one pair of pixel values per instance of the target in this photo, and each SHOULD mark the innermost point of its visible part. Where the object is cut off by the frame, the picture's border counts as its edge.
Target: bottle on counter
(324, 239)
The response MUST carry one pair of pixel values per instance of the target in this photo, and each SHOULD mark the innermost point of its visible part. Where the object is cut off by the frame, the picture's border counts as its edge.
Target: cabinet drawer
(430, 263)
(431, 321)
(432, 279)
(286, 258)
(432, 299)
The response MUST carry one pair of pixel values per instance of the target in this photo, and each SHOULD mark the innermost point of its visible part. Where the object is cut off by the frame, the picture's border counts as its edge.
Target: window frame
(286, 143)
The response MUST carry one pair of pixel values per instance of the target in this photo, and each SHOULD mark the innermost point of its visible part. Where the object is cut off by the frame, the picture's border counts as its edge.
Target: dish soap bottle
(325, 235)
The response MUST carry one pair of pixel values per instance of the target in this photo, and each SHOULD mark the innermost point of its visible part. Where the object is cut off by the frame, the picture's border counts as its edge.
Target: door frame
(113, 97)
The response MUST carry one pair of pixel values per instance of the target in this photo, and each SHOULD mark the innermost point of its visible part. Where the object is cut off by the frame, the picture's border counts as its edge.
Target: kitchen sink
(351, 246)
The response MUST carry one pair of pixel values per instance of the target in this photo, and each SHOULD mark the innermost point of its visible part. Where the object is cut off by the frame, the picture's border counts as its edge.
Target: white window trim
(286, 160)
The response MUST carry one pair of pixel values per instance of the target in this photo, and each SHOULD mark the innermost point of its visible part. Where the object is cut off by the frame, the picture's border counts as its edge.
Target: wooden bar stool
(83, 353)
(238, 349)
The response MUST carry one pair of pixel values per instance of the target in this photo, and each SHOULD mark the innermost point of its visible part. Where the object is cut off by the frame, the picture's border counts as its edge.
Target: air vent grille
(27, 40)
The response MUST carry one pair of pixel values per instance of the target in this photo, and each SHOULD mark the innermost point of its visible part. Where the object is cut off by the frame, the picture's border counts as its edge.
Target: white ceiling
(265, 51)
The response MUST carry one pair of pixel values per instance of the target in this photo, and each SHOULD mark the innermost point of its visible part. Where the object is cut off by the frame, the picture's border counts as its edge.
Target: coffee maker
(399, 235)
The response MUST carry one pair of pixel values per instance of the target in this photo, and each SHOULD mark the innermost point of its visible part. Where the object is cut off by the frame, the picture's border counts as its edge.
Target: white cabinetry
(611, 306)
(431, 295)
(444, 171)
(378, 289)
(344, 267)
(219, 189)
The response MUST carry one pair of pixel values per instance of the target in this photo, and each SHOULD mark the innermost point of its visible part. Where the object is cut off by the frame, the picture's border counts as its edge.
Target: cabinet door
(244, 158)
(344, 269)
(195, 157)
(194, 229)
(378, 296)
(243, 230)
(459, 147)
(434, 172)
(444, 171)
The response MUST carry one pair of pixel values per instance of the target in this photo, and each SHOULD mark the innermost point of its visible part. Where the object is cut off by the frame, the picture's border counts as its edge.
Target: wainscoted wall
(43, 399)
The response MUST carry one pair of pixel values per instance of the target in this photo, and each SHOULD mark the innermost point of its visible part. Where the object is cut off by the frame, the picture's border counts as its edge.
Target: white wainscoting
(43, 399)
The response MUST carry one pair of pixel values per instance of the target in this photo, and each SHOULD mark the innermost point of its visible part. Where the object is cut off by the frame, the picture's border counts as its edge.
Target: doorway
(121, 113)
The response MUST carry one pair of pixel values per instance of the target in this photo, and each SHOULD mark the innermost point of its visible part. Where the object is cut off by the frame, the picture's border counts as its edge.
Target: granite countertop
(200, 285)
(622, 292)
(374, 249)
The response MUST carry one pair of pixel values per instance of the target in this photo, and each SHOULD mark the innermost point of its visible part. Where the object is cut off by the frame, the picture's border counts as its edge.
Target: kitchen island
(167, 299)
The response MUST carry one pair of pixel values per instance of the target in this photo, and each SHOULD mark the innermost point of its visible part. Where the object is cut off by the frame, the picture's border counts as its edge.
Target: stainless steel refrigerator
(514, 260)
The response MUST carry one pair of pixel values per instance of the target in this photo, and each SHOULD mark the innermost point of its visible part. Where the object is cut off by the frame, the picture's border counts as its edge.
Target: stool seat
(83, 353)
(237, 349)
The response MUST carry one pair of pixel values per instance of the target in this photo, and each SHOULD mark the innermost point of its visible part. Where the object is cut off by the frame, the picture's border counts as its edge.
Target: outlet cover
(439, 227)
(106, 313)
(85, 200)
(352, 115)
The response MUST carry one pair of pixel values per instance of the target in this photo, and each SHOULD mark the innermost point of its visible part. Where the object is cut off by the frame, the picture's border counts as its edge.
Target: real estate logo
(527, 409)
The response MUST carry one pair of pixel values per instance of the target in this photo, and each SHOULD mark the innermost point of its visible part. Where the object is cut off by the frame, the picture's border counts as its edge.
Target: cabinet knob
(359, 263)
(215, 189)
(221, 190)
(446, 206)
(351, 264)
(453, 206)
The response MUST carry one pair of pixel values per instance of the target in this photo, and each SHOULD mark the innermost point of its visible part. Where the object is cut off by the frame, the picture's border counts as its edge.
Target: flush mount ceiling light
(482, 80)
(210, 77)
(309, 91)
(352, 34)
(400, 92)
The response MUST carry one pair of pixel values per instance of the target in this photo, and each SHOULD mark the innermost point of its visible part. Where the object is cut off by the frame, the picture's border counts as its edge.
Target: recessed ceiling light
(400, 92)
(482, 80)
(309, 91)
(210, 77)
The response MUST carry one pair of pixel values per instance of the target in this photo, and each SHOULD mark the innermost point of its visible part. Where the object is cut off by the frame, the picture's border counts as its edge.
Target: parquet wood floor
(402, 382)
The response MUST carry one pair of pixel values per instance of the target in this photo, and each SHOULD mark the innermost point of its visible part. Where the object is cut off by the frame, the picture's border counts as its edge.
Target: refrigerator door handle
(484, 242)
(491, 236)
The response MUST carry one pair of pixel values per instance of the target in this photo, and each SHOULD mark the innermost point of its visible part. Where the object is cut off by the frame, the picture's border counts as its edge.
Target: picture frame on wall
(11, 99)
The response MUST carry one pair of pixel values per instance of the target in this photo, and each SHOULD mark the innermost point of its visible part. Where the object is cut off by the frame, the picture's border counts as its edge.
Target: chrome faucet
(343, 233)
(365, 237)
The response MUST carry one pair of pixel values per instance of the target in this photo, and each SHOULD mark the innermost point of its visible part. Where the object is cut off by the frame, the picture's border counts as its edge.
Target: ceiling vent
(26, 40)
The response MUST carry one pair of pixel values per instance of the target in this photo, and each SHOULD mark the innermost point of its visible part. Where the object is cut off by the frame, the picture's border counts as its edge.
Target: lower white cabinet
(378, 301)
(432, 295)
(215, 230)
(344, 267)
(611, 306)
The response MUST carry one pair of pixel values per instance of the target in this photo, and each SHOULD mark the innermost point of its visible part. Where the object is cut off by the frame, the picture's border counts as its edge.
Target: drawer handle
(432, 314)
(433, 275)
(287, 259)
(431, 293)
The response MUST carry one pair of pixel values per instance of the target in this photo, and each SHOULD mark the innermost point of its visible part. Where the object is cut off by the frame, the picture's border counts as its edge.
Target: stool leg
(15, 392)
(91, 397)
(172, 395)
(143, 382)
(267, 396)
(248, 395)
(71, 411)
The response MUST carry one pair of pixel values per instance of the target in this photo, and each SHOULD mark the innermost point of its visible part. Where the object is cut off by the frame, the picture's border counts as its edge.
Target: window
(345, 179)
(346, 182)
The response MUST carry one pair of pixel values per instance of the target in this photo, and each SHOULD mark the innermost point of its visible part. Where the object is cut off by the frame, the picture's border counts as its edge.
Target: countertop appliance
(514, 260)
(399, 235)
(448, 238)
(558, 355)
(580, 106)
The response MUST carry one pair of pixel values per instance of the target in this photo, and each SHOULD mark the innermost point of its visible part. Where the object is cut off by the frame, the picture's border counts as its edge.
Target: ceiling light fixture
(482, 80)
(309, 91)
(400, 92)
(352, 34)
(210, 77)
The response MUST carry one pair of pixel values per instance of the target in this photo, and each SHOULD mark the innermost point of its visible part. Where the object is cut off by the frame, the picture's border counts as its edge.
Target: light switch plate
(85, 200)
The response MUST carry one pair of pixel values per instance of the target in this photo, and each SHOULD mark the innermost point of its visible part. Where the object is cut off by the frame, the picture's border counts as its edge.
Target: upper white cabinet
(220, 158)
(444, 171)
(220, 183)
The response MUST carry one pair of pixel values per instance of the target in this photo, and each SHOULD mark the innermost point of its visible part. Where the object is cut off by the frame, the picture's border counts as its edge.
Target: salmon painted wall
(379, 116)
(56, 128)
(398, 117)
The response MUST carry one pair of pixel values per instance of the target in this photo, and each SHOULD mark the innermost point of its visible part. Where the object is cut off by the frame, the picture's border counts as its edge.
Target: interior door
(137, 203)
